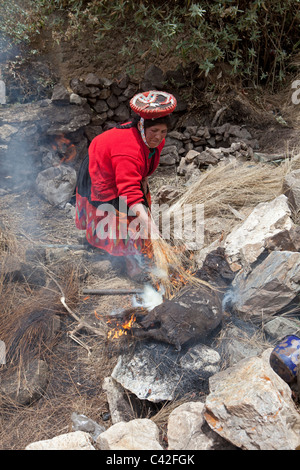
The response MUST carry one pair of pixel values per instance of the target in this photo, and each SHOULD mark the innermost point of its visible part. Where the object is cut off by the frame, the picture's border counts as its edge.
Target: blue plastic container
(285, 357)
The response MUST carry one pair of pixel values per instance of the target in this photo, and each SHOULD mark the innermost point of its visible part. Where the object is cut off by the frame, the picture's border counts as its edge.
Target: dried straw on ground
(236, 186)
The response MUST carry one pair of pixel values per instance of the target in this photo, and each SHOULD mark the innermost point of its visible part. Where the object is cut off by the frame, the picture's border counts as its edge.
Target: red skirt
(109, 230)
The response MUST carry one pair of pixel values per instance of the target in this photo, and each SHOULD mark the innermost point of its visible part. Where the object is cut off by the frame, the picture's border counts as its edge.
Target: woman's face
(155, 134)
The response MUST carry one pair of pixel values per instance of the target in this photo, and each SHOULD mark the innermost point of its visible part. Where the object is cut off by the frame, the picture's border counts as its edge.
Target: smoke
(229, 300)
(150, 298)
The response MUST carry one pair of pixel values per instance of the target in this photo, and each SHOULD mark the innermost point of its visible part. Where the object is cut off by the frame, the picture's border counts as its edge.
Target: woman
(113, 201)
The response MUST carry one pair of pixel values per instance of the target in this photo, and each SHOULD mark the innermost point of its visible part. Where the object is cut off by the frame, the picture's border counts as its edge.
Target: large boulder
(252, 407)
(269, 287)
(146, 375)
(247, 241)
(26, 387)
(57, 184)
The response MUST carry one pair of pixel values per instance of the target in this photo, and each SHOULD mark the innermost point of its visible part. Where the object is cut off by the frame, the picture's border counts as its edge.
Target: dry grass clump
(27, 321)
(236, 186)
(8, 241)
(173, 268)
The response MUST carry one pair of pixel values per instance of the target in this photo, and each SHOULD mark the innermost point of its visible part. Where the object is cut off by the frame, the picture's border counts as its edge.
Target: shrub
(256, 38)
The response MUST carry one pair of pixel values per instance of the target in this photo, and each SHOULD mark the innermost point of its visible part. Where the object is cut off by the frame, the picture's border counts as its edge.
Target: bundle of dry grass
(236, 186)
(173, 269)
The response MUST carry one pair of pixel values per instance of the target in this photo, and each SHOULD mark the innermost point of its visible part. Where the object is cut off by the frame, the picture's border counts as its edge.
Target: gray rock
(92, 80)
(169, 155)
(130, 91)
(286, 240)
(247, 241)
(60, 95)
(194, 313)
(272, 285)
(105, 82)
(280, 327)
(138, 434)
(120, 409)
(95, 92)
(291, 188)
(122, 113)
(6, 132)
(168, 193)
(113, 102)
(238, 344)
(79, 87)
(28, 387)
(154, 76)
(104, 94)
(251, 406)
(188, 430)
(85, 424)
(57, 184)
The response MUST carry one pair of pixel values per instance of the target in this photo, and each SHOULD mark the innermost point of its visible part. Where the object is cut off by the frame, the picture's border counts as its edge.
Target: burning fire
(121, 329)
(64, 147)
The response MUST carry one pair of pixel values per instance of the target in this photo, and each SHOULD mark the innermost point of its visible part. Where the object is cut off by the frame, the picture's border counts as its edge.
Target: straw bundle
(173, 269)
(238, 186)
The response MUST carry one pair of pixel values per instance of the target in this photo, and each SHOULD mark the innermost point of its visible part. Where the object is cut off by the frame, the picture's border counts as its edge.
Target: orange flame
(64, 146)
(122, 329)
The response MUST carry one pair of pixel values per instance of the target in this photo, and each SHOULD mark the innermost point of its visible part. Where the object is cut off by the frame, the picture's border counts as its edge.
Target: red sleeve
(128, 177)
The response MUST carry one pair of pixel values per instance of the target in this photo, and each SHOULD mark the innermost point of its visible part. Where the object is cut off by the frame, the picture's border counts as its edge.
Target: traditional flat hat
(153, 104)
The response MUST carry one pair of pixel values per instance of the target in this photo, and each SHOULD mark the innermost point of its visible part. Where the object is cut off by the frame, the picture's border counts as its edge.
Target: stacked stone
(108, 99)
(188, 147)
(203, 146)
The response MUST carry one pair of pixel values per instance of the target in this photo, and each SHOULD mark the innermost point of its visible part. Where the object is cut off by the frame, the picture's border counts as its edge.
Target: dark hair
(162, 120)
(147, 123)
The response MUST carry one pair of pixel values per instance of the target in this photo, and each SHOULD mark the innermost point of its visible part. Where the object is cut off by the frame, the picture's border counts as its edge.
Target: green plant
(257, 38)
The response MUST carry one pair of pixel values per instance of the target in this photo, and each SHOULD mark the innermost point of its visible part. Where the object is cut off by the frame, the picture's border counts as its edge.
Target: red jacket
(118, 160)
